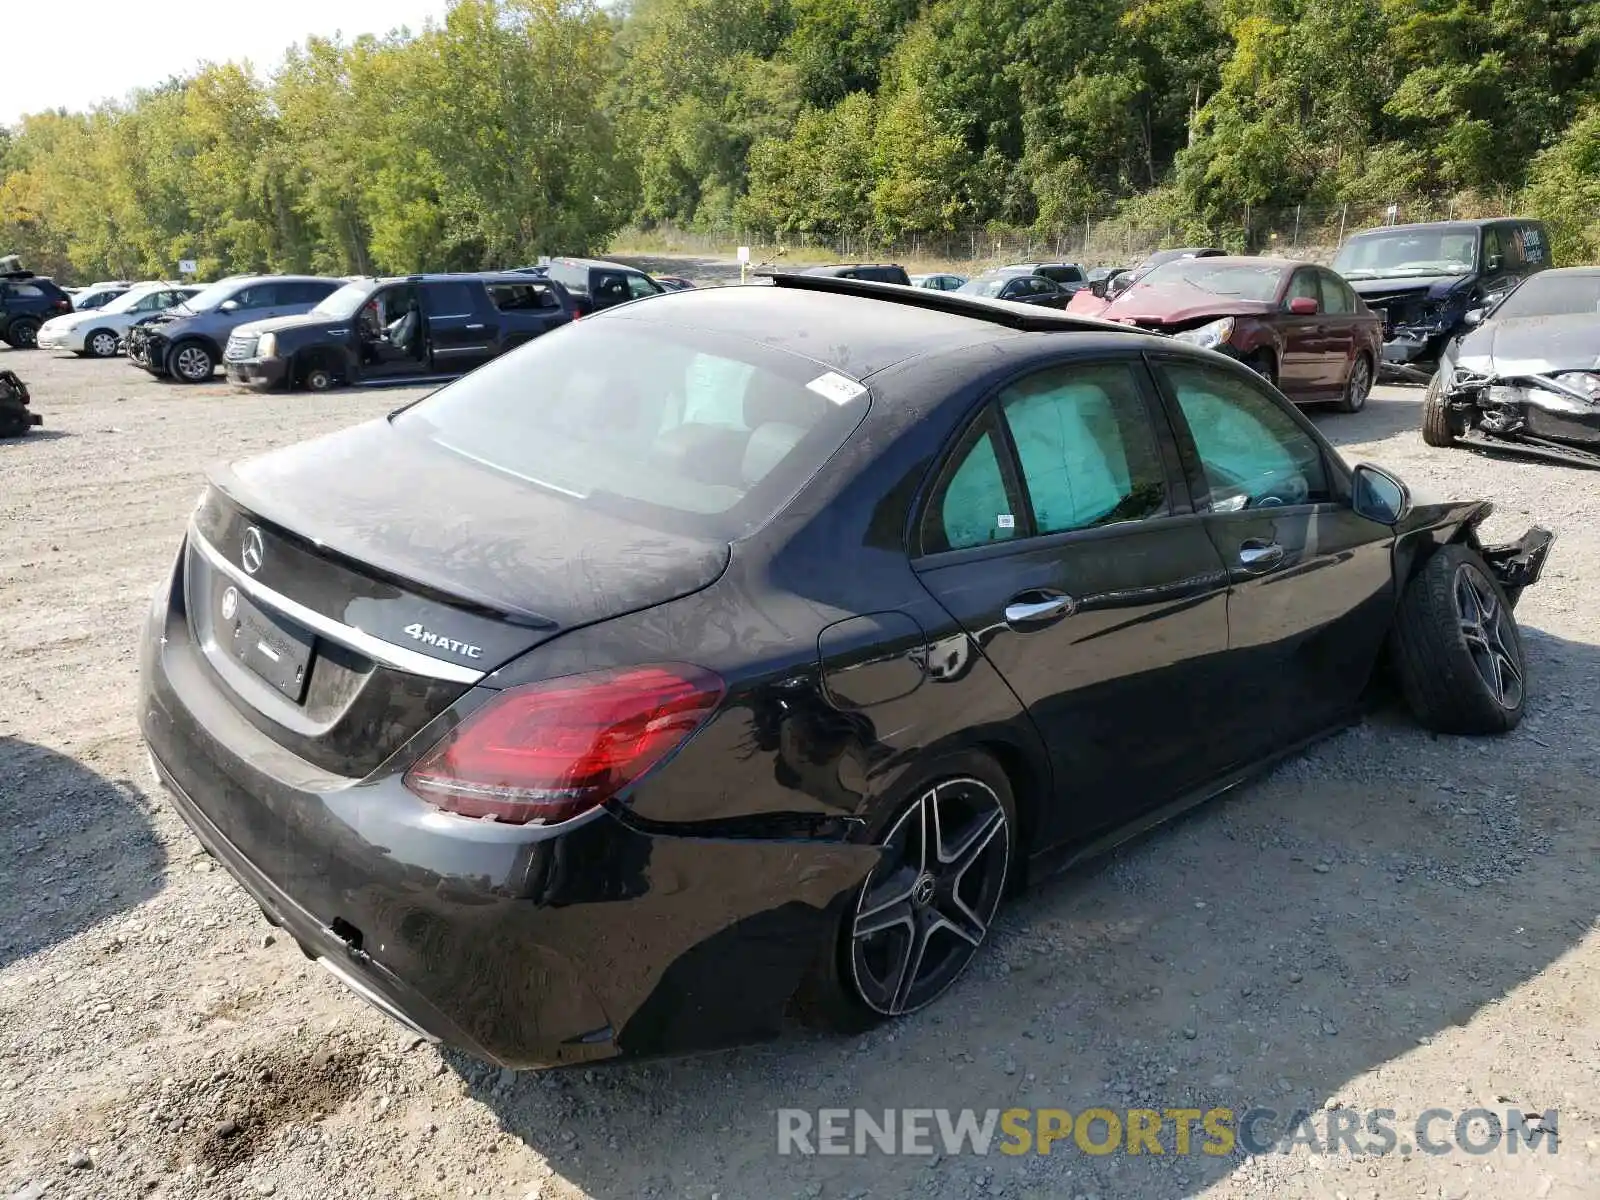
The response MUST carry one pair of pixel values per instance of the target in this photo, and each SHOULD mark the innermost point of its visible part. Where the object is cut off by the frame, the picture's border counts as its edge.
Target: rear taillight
(549, 751)
(63, 306)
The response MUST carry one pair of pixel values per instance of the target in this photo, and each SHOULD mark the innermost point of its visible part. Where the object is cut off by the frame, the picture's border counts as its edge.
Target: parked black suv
(875, 272)
(403, 329)
(1424, 279)
(27, 301)
(594, 283)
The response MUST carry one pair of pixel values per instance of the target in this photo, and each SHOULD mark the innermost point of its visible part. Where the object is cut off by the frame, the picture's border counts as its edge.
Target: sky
(91, 50)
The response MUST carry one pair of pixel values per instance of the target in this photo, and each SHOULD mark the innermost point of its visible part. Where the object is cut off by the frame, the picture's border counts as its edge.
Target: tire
(101, 343)
(1457, 649)
(1440, 427)
(1265, 365)
(318, 377)
(15, 420)
(1357, 386)
(23, 333)
(191, 362)
(946, 908)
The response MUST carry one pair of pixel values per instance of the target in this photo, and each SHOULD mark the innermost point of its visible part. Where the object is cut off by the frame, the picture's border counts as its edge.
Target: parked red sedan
(1298, 324)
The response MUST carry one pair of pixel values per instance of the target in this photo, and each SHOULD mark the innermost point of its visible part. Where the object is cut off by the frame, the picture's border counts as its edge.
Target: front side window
(1086, 447)
(259, 295)
(1302, 287)
(1253, 453)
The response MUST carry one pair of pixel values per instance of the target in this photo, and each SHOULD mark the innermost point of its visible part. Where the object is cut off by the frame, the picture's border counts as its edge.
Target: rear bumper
(523, 946)
(72, 340)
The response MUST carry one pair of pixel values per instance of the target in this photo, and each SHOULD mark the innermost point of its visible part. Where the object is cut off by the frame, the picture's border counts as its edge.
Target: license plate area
(275, 649)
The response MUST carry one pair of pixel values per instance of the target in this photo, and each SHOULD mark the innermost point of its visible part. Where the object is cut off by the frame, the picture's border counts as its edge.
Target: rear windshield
(985, 285)
(573, 277)
(686, 431)
(1552, 294)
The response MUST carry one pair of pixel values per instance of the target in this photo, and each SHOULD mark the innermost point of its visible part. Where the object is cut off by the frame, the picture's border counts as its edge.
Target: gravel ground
(1391, 921)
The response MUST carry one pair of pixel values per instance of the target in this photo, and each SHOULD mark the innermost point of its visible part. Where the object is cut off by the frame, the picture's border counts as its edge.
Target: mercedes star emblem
(253, 552)
(230, 603)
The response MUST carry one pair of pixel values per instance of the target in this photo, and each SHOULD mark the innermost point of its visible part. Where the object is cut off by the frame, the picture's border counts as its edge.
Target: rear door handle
(1260, 556)
(1035, 608)
(474, 326)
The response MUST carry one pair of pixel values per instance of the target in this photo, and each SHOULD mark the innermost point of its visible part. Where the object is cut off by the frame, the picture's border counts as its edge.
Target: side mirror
(1493, 263)
(1378, 495)
(1473, 316)
(1098, 287)
(228, 306)
(1303, 306)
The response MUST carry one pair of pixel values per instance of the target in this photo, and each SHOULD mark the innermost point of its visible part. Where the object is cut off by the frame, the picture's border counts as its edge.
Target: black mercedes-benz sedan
(734, 653)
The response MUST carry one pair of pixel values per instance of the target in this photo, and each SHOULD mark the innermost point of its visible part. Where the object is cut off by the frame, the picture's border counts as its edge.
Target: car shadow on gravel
(1365, 900)
(40, 433)
(1383, 417)
(79, 848)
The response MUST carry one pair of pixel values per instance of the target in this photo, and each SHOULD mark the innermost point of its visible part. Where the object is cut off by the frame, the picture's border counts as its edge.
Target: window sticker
(1006, 521)
(835, 387)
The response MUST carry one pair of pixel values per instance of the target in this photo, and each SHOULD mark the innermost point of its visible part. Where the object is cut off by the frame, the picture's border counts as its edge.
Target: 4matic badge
(429, 638)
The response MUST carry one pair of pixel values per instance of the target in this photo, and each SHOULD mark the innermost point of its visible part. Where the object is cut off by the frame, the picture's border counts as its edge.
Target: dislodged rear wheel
(1457, 647)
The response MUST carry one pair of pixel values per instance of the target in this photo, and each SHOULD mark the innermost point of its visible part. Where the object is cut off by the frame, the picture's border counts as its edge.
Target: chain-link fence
(1115, 238)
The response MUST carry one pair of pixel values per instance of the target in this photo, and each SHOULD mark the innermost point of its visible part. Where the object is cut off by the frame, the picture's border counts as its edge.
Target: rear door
(1339, 324)
(1058, 534)
(1311, 583)
(461, 334)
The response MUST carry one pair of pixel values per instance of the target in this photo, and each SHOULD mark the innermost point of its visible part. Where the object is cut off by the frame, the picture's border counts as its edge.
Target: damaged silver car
(1527, 376)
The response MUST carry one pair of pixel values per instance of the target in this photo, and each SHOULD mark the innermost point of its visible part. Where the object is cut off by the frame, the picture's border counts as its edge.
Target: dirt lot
(1392, 921)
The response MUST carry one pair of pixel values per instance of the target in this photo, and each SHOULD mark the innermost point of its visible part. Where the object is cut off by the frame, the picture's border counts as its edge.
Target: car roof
(510, 276)
(601, 263)
(855, 326)
(1464, 223)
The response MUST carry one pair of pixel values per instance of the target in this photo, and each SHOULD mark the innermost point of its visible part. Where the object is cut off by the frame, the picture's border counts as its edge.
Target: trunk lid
(347, 590)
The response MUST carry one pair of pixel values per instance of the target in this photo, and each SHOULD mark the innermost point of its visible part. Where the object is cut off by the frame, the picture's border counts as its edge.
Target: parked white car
(98, 332)
(97, 295)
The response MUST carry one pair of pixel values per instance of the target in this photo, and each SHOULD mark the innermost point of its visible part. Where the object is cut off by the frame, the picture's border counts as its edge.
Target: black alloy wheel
(925, 909)
(1491, 641)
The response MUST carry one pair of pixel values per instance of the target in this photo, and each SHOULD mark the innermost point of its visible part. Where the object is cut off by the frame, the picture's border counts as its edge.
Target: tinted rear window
(683, 430)
(571, 276)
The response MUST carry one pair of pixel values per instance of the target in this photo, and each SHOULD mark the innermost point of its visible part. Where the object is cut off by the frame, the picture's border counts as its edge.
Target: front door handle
(1260, 556)
(1032, 609)
(474, 326)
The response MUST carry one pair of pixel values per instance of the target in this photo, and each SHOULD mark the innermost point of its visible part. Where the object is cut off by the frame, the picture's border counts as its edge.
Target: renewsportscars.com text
(1175, 1131)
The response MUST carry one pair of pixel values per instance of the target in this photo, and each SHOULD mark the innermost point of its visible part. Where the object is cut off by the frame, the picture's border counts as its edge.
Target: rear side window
(686, 430)
(1336, 297)
(523, 297)
(24, 291)
(449, 299)
(1252, 453)
(971, 504)
(304, 291)
(1535, 249)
